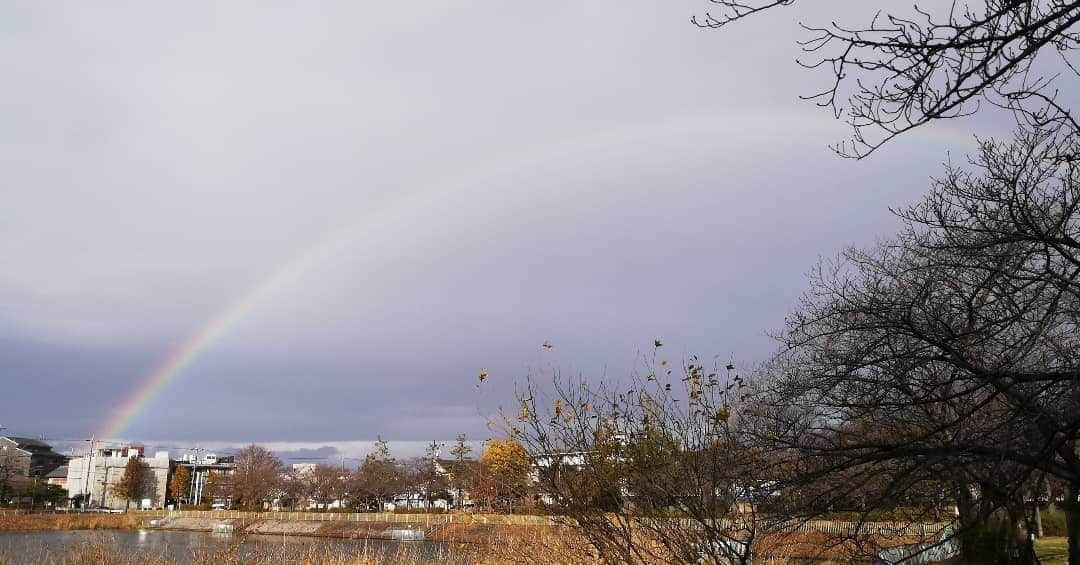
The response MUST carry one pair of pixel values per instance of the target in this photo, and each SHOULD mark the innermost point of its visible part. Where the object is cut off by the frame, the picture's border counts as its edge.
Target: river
(32, 547)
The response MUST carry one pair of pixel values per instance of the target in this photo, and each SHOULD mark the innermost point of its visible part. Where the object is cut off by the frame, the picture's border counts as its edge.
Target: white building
(92, 476)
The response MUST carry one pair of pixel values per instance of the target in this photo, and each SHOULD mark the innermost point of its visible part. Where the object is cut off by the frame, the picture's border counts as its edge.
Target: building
(561, 460)
(90, 478)
(210, 477)
(27, 458)
(457, 473)
(414, 501)
(58, 476)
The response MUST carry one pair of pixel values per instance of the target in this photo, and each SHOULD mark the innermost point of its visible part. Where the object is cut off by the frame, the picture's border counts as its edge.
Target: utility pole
(104, 481)
(4, 463)
(196, 488)
(86, 474)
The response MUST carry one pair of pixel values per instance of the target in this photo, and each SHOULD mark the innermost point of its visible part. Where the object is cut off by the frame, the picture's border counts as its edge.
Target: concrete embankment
(192, 524)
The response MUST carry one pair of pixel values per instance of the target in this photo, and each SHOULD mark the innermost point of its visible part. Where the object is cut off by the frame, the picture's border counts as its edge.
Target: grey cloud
(308, 454)
(594, 174)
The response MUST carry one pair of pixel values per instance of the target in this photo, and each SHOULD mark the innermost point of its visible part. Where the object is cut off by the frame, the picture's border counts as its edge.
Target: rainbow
(399, 211)
(182, 356)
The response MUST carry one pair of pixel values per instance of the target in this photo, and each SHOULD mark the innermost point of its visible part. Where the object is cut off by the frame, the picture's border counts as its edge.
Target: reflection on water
(183, 546)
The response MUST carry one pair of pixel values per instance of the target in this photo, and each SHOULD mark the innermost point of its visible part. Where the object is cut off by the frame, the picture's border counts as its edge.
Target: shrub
(987, 542)
(897, 514)
(1053, 522)
(419, 511)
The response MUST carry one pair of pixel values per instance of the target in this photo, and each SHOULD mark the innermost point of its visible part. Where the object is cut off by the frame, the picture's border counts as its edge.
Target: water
(182, 546)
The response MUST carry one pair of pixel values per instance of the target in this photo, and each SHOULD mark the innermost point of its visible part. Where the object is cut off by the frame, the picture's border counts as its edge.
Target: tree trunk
(1038, 521)
(1072, 522)
(967, 516)
(1024, 547)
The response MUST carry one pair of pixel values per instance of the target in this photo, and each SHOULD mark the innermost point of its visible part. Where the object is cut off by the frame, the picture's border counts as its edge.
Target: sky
(397, 195)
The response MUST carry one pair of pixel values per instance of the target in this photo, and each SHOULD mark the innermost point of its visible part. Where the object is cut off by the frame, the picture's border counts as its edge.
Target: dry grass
(89, 554)
(56, 522)
(482, 544)
(540, 547)
(401, 554)
(1053, 550)
(532, 545)
(105, 553)
(823, 548)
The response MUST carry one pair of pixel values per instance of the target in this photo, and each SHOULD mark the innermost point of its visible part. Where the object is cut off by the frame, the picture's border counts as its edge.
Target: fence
(504, 519)
(839, 528)
(921, 529)
(891, 529)
(919, 553)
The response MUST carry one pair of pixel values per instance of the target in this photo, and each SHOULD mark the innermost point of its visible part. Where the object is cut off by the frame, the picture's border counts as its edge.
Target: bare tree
(412, 480)
(949, 351)
(937, 367)
(215, 487)
(326, 485)
(9, 472)
(900, 70)
(294, 488)
(256, 476)
(657, 470)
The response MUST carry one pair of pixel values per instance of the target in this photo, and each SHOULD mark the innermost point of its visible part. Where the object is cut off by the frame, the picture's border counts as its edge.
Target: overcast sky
(486, 176)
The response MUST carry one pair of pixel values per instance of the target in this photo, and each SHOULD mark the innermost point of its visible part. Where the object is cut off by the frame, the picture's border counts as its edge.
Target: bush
(989, 542)
(897, 514)
(1053, 522)
(419, 511)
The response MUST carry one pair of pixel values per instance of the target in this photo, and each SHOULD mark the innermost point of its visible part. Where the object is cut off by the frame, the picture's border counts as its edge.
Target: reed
(55, 522)
(480, 544)
(539, 547)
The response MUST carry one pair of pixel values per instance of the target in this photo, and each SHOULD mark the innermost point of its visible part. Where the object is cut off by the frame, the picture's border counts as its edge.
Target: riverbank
(471, 539)
(57, 522)
(174, 547)
(472, 532)
(171, 547)
(474, 538)
(117, 547)
(468, 529)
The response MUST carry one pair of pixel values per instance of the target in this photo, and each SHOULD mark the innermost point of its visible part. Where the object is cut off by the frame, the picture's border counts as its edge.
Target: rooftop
(26, 442)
